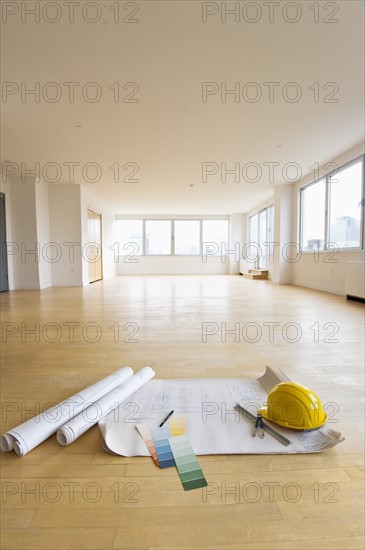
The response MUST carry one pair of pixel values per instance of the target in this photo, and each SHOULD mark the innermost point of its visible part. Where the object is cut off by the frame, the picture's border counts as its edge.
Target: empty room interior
(182, 275)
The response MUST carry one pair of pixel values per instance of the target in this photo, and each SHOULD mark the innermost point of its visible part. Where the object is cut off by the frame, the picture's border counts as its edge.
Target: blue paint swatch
(161, 440)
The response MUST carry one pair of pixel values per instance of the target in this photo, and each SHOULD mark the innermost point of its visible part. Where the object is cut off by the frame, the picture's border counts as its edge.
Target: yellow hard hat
(294, 406)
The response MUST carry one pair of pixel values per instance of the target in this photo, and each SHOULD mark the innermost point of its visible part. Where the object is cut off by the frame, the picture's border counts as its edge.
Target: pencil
(166, 419)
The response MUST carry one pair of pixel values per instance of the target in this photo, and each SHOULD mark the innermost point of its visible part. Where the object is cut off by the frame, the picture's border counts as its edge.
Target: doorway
(4, 279)
(94, 254)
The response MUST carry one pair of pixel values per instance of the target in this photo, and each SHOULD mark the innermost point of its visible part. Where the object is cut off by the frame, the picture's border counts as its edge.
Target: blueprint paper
(28, 435)
(213, 426)
(73, 429)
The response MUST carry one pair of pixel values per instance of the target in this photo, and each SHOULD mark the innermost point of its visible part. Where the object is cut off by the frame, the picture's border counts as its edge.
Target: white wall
(22, 234)
(172, 265)
(65, 227)
(43, 234)
(324, 271)
(4, 188)
(283, 219)
(238, 237)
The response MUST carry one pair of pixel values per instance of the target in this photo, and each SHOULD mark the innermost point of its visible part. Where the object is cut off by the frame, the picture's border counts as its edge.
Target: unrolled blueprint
(213, 425)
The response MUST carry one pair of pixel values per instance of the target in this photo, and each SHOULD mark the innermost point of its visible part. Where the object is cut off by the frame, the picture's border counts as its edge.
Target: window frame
(327, 207)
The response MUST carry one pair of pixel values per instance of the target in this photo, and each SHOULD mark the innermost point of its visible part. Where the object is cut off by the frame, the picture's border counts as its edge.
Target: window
(270, 231)
(254, 229)
(158, 237)
(261, 238)
(130, 237)
(331, 209)
(187, 236)
(345, 207)
(209, 237)
(215, 237)
(313, 200)
(252, 249)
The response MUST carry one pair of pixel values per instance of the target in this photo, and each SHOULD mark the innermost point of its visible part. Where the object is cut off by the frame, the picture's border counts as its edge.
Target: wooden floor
(82, 497)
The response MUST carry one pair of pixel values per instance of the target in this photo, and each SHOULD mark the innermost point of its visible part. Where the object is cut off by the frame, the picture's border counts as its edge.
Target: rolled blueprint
(28, 435)
(88, 417)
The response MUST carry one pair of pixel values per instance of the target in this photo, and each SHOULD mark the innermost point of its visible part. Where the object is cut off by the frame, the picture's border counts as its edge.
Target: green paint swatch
(190, 473)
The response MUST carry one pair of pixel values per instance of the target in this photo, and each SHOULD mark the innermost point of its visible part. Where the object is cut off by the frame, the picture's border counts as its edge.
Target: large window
(270, 232)
(187, 236)
(130, 237)
(345, 207)
(254, 229)
(261, 241)
(313, 206)
(209, 237)
(263, 238)
(158, 237)
(332, 210)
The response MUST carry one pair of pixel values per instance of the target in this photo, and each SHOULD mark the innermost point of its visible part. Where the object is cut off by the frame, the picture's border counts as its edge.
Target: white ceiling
(170, 132)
